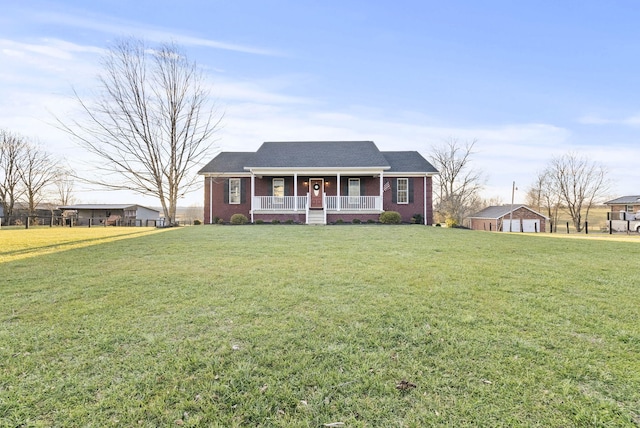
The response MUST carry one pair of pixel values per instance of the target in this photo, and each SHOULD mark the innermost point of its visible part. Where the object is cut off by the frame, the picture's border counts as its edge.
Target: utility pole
(513, 192)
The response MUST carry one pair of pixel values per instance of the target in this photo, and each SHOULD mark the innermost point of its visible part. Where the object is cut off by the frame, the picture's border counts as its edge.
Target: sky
(527, 80)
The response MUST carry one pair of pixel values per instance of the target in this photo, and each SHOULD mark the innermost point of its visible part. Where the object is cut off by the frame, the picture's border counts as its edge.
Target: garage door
(531, 226)
(515, 227)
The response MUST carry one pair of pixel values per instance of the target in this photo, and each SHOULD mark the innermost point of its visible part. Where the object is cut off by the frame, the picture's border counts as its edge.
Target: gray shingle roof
(228, 162)
(408, 161)
(102, 207)
(495, 211)
(633, 199)
(318, 154)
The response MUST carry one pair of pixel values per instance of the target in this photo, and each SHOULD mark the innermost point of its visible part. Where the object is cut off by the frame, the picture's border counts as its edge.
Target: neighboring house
(111, 215)
(318, 183)
(625, 214)
(624, 208)
(509, 218)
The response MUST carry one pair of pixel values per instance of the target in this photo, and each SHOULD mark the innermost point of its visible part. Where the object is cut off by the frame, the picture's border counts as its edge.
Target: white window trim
(239, 195)
(405, 191)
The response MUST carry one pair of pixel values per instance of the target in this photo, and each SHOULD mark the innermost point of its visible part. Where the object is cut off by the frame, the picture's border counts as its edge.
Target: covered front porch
(312, 199)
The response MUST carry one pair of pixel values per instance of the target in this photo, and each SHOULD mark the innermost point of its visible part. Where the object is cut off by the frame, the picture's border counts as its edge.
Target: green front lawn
(305, 326)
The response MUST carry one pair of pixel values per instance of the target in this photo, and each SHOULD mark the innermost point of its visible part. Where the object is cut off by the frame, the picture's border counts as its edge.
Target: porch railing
(357, 203)
(288, 203)
(279, 203)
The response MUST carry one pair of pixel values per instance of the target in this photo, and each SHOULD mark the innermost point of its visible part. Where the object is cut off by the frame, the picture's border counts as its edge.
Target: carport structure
(112, 215)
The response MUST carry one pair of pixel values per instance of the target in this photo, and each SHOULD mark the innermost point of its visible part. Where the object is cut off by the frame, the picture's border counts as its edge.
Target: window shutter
(226, 191)
(287, 187)
(270, 188)
(345, 186)
(362, 187)
(243, 190)
(410, 190)
(394, 187)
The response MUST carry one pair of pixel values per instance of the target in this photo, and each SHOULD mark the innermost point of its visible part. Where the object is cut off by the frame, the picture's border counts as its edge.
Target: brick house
(499, 218)
(624, 208)
(318, 183)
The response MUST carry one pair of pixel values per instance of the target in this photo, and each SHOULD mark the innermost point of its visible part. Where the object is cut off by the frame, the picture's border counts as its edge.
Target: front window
(278, 189)
(234, 190)
(403, 191)
(354, 190)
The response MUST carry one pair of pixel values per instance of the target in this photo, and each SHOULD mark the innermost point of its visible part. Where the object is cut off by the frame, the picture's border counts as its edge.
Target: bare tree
(37, 172)
(193, 212)
(151, 124)
(65, 186)
(12, 154)
(457, 185)
(544, 196)
(578, 183)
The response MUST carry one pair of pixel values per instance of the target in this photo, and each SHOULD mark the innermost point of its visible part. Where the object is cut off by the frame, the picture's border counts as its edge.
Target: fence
(60, 221)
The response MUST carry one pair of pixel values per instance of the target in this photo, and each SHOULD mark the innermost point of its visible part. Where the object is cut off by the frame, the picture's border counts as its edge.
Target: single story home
(624, 208)
(509, 218)
(111, 215)
(318, 182)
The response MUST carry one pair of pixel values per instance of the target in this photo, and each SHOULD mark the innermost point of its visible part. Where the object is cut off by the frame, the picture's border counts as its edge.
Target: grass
(305, 326)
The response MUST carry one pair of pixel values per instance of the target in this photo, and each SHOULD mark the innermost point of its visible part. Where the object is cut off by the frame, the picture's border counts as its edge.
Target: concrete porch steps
(316, 217)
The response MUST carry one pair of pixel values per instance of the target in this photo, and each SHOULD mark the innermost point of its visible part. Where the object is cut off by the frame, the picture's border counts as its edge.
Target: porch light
(327, 183)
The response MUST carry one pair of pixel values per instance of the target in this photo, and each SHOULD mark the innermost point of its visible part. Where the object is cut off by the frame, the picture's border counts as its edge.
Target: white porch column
(253, 193)
(424, 201)
(295, 191)
(381, 191)
(338, 192)
(210, 200)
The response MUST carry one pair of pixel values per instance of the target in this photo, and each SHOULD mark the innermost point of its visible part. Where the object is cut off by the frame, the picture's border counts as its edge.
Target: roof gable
(318, 154)
(499, 211)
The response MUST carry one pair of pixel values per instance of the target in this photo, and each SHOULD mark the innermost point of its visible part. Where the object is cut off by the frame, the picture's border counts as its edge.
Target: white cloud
(254, 91)
(53, 48)
(633, 120)
(108, 25)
